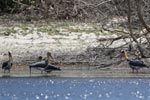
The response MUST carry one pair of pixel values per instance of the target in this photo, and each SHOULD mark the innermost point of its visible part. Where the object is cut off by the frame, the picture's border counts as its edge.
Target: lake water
(47, 88)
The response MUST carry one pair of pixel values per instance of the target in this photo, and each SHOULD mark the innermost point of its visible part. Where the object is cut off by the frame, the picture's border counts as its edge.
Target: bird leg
(132, 70)
(137, 70)
(8, 70)
(41, 71)
(30, 70)
(4, 70)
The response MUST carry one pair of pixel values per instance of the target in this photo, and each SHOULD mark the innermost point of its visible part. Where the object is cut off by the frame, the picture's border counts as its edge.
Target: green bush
(10, 6)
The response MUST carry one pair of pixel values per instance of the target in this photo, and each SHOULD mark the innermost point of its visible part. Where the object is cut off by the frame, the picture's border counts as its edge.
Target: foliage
(14, 6)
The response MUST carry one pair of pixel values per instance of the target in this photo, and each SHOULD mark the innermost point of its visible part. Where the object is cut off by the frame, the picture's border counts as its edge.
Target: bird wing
(52, 67)
(41, 64)
(5, 64)
(138, 63)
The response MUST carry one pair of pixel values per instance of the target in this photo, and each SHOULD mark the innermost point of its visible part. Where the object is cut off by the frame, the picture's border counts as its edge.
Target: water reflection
(45, 88)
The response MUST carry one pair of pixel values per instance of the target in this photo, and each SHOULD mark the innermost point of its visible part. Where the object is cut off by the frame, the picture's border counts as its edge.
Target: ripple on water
(71, 89)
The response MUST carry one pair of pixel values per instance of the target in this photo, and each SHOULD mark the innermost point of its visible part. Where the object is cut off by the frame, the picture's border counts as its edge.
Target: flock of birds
(43, 65)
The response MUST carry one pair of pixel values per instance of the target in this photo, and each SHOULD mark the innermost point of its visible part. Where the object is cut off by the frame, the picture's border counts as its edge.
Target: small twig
(103, 3)
(20, 3)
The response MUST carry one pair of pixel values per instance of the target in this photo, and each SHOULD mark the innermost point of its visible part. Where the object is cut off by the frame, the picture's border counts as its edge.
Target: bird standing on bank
(43, 65)
(50, 67)
(7, 65)
(135, 64)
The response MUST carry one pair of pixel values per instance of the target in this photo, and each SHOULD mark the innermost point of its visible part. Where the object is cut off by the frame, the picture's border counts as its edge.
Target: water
(46, 88)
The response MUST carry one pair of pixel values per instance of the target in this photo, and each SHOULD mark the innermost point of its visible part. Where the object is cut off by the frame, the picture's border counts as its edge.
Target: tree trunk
(140, 16)
(45, 6)
(131, 32)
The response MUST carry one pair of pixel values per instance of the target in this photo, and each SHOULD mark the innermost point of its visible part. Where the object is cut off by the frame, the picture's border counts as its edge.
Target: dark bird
(7, 65)
(50, 68)
(135, 64)
(43, 65)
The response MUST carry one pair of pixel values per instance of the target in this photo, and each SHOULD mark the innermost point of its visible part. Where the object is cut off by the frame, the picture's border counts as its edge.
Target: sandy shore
(66, 48)
(81, 72)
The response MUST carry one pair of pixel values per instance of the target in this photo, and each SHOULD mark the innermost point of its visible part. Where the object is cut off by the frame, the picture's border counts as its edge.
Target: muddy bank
(73, 45)
(76, 59)
(79, 73)
(66, 48)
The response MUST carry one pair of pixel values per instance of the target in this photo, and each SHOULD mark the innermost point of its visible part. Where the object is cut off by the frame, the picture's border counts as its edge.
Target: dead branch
(138, 3)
